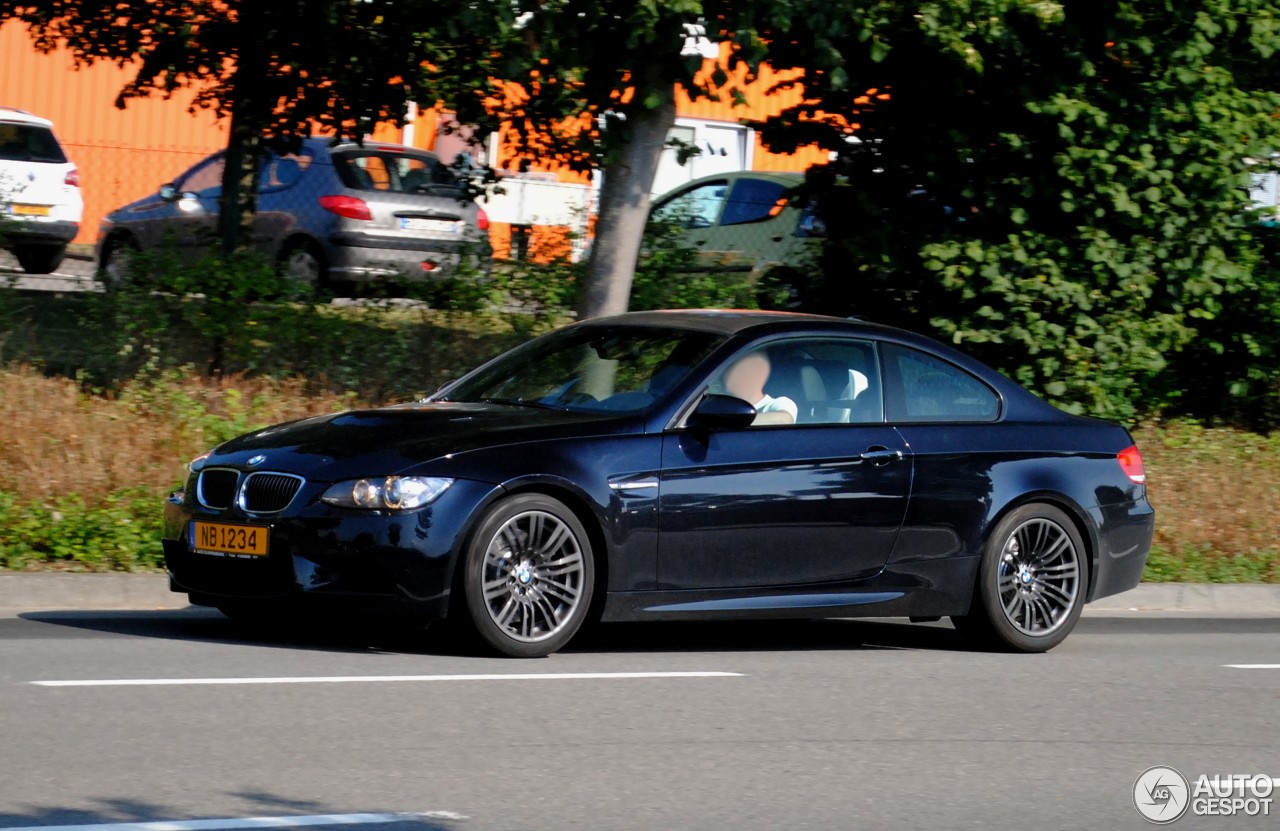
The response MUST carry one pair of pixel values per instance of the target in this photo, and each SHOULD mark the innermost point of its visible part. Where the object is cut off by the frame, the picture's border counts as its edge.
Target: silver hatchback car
(330, 214)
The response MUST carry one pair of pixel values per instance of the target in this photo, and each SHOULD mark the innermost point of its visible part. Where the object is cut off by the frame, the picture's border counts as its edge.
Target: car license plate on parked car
(227, 539)
(439, 226)
(29, 210)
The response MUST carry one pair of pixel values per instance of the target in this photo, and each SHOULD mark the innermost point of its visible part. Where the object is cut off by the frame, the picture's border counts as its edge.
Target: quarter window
(929, 389)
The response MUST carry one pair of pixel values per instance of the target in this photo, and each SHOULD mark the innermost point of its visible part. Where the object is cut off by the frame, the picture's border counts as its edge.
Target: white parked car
(40, 201)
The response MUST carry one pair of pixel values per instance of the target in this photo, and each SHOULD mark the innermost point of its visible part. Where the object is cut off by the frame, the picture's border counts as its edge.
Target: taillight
(73, 178)
(482, 219)
(1131, 463)
(352, 207)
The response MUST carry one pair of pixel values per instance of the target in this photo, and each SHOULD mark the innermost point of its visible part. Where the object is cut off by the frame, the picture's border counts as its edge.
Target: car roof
(728, 321)
(347, 144)
(781, 177)
(15, 115)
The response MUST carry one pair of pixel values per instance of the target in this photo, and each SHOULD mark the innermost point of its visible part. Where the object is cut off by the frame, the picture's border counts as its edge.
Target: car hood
(391, 440)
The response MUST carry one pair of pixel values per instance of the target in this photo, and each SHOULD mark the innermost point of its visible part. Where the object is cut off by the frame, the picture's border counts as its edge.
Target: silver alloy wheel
(533, 576)
(302, 265)
(1038, 577)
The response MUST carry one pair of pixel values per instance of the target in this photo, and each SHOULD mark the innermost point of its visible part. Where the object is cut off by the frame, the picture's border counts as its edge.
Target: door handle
(880, 455)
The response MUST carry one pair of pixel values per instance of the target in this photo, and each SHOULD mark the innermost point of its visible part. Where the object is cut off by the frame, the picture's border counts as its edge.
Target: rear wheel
(303, 262)
(39, 259)
(1031, 583)
(529, 574)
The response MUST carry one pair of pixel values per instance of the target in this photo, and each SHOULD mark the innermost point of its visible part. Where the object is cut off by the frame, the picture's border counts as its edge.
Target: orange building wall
(762, 102)
(122, 155)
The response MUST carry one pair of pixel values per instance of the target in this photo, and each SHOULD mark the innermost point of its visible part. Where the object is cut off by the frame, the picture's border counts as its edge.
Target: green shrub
(120, 534)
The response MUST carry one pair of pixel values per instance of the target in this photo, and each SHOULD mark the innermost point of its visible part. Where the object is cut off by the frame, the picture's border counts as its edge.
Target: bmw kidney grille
(256, 493)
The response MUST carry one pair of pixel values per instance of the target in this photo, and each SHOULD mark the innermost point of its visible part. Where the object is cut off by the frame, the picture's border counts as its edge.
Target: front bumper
(399, 563)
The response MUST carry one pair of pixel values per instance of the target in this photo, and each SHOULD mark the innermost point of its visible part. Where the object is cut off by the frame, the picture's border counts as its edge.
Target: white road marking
(363, 679)
(1252, 666)
(249, 822)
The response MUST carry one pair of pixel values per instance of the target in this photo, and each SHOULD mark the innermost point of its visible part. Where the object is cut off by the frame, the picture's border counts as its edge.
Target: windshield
(617, 369)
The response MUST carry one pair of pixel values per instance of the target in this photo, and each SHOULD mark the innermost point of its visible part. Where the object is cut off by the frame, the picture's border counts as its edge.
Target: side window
(929, 389)
(205, 179)
(814, 380)
(280, 172)
(696, 208)
(753, 200)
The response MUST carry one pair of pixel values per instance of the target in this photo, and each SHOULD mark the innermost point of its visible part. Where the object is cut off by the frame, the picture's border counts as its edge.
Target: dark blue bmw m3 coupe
(679, 465)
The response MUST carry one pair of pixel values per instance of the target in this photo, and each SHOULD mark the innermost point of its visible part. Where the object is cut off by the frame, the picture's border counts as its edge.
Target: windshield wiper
(519, 402)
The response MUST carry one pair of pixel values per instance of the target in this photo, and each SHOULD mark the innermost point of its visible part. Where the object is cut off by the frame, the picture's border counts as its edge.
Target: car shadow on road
(345, 635)
(197, 624)
(768, 636)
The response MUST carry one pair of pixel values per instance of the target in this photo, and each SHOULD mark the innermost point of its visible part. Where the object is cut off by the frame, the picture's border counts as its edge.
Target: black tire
(302, 261)
(536, 558)
(39, 259)
(1031, 583)
(114, 268)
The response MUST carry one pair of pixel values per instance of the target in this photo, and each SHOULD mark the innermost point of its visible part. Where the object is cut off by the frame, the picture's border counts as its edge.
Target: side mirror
(169, 192)
(721, 412)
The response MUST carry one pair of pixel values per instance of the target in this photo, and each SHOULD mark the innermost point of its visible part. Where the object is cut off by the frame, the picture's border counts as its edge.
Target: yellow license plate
(30, 210)
(229, 540)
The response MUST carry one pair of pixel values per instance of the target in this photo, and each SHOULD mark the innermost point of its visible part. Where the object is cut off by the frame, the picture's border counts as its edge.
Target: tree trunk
(624, 197)
(239, 200)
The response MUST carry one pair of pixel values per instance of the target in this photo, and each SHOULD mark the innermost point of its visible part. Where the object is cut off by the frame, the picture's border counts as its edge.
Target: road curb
(25, 592)
(22, 592)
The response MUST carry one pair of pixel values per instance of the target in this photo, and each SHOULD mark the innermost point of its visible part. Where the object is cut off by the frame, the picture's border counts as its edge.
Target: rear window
(29, 143)
(394, 172)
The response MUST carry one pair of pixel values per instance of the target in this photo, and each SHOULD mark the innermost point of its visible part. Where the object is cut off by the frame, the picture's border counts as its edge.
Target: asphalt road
(830, 725)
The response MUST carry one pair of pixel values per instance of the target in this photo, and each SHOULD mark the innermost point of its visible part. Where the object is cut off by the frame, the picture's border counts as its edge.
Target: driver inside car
(746, 378)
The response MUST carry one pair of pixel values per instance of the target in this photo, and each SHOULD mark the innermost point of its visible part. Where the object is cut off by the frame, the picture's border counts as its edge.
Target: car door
(193, 224)
(755, 227)
(817, 501)
(696, 211)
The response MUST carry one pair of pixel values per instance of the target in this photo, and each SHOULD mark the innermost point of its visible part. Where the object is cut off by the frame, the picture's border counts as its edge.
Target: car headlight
(395, 493)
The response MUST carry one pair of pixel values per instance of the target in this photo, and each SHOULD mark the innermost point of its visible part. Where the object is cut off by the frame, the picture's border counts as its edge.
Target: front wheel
(528, 576)
(1031, 583)
(118, 263)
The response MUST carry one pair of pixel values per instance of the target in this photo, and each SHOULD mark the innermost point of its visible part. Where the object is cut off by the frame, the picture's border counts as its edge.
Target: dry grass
(1216, 489)
(1217, 498)
(59, 440)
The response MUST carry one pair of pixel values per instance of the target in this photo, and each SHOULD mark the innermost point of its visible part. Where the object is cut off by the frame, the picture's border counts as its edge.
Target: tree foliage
(1062, 186)
(277, 70)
